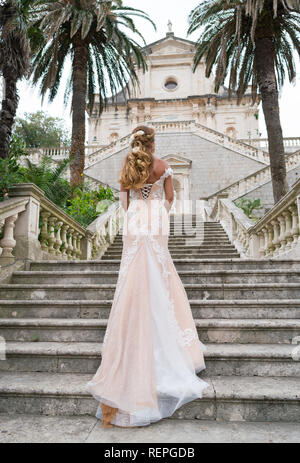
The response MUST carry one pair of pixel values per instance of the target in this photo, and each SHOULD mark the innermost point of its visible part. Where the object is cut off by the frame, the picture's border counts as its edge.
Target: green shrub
(49, 177)
(248, 206)
(86, 204)
(10, 169)
(10, 173)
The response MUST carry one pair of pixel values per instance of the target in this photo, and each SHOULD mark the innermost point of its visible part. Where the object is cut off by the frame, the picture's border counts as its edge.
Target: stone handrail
(59, 152)
(35, 228)
(232, 144)
(104, 229)
(108, 150)
(96, 183)
(277, 234)
(263, 143)
(253, 181)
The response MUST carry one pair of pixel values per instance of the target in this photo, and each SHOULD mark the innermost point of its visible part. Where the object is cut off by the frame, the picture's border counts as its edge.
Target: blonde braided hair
(137, 166)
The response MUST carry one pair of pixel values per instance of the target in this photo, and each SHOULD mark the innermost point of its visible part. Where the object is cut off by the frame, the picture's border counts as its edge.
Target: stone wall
(213, 167)
(265, 192)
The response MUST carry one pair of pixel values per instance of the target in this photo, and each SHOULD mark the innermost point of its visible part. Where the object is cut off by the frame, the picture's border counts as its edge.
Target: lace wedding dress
(151, 350)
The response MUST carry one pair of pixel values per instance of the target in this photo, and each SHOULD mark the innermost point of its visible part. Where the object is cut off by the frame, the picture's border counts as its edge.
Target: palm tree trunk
(265, 59)
(79, 78)
(8, 112)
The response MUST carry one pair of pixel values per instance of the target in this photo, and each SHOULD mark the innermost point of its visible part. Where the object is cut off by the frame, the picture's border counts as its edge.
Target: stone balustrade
(232, 144)
(246, 185)
(289, 143)
(104, 229)
(35, 228)
(112, 148)
(95, 183)
(276, 235)
(172, 126)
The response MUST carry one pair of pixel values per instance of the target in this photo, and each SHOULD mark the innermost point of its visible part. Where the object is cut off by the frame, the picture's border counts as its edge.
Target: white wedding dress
(151, 350)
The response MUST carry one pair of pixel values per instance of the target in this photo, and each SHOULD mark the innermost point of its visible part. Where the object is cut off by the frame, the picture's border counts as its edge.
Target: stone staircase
(247, 312)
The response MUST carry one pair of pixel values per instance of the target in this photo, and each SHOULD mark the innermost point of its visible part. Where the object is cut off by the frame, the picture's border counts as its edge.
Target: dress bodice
(152, 190)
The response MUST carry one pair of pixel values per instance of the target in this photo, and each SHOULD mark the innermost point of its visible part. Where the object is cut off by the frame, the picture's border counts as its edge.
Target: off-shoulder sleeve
(168, 172)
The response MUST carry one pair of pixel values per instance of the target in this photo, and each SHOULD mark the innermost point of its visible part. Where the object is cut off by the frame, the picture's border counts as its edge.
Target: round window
(171, 84)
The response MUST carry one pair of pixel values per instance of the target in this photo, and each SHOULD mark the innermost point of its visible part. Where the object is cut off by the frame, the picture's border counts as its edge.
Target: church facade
(197, 130)
(169, 90)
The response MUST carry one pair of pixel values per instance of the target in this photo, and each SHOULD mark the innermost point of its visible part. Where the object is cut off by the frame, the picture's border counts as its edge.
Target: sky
(161, 11)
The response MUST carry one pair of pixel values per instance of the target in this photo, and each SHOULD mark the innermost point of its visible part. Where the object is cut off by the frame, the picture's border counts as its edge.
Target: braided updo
(139, 160)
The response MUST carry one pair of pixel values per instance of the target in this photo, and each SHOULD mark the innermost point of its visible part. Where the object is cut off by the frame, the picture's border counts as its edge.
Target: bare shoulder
(160, 166)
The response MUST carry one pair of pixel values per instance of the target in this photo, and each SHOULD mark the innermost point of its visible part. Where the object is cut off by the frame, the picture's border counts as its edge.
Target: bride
(151, 351)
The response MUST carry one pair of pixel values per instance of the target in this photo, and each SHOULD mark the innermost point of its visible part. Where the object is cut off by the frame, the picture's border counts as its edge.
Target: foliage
(227, 39)
(86, 205)
(41, 130)
(17, 147)
(49, 178)
(10, 173)
(248, 206)
(101, 26)
(18, 40)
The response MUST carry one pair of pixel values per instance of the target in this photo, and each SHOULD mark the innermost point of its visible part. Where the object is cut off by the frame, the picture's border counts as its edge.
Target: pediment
(177, 161)
(171, 46)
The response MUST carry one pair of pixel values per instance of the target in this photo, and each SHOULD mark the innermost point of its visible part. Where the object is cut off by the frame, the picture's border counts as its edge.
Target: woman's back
(157, 170)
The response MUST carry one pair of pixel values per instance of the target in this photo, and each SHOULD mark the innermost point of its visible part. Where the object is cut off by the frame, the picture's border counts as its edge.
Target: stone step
(185, 251)
(189, 248)
(87, 429)
(204, 255)
(173, 241)
(262, 331)
(85, 357)
(193, 276)
(210, 309)
(197, 230)
(194, 291)
(180, 264)
(228, 398)
(200, 234)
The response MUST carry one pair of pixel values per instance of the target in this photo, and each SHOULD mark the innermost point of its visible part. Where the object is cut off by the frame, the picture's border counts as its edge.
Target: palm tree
(252, 42)
(14, 62)
(92, 33)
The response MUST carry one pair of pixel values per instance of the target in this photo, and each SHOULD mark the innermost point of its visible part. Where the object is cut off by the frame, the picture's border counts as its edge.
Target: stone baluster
(70, 243)
(288, 229)
(265, 249)
(295, 224)
(44, 232)
(270, 240)
(75, 245)
(51, 239)
(58, 240)
(276, 231)
(2, 222)
(261, 238)
(8, 242)
(282, 240)
(79, 250)
(64, 230)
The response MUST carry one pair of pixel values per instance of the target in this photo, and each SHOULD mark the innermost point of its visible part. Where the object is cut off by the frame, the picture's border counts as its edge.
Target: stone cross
(170, 26)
